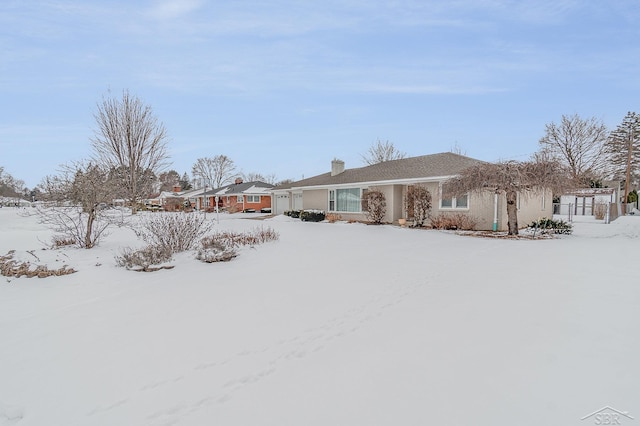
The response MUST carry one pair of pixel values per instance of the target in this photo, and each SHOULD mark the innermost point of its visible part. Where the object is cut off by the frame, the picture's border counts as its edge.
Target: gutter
(495, 212)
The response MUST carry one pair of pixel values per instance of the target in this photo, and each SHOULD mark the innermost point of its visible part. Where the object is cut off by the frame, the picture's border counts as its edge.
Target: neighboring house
(341, 190)
(195, 197)
(167, 200)
(239, 196)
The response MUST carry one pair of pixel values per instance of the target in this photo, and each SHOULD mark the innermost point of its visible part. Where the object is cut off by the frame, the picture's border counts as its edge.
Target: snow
(333, 324)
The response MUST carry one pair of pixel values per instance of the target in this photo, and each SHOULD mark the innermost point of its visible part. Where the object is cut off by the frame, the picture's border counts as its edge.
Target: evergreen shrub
(551, 226)
(312, 215)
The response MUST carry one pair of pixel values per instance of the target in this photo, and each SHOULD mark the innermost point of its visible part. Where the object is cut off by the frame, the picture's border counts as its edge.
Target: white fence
(600, 211)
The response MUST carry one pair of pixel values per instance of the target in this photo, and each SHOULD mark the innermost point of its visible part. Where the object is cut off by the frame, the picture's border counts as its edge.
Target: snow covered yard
(334, 324)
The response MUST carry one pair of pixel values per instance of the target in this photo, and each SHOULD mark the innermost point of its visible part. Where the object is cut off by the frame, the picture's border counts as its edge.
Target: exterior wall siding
(231, 203)
(393, 198)
(316, 199)
(481, 206)
(265, 203)
(531, 207)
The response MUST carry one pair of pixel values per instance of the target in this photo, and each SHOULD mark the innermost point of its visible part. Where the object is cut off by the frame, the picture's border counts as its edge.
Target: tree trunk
(628, 175)
(512, 212)
(91, 217)
(134, 202)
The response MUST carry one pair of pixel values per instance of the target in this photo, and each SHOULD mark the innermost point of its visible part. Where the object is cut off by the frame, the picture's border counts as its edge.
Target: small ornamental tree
(84, 187)
(375, 206)
(510, 178)
(417, 203)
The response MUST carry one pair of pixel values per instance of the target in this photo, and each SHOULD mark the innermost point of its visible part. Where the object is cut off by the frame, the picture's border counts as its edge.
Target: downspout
(495, 212)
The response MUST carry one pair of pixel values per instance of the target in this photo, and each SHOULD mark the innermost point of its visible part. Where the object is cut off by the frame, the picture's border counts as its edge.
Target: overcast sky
(284, 86)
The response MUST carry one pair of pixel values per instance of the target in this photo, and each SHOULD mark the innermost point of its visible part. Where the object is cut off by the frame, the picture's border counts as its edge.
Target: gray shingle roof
(424, 166)
(237, 188)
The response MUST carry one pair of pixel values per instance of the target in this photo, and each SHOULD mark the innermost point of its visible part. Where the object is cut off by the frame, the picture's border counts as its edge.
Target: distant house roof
(250, 188)
(193, 193)
(591, 191)
(446, 164)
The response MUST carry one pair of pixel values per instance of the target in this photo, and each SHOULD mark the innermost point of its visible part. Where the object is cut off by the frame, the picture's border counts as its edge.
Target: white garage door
(297, 201)
(282, 203)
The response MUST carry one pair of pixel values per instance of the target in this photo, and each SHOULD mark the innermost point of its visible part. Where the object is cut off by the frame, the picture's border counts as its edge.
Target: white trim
(371, 183)
(335, 200)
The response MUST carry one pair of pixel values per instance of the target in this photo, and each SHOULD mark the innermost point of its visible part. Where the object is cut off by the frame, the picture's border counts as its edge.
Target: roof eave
(404, 181)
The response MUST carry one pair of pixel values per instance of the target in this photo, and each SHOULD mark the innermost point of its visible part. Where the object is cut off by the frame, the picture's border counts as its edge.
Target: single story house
(238, 196)
(195, 197)
(341, 190)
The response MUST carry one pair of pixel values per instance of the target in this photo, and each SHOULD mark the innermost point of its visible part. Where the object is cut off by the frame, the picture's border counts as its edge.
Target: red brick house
(239, 196)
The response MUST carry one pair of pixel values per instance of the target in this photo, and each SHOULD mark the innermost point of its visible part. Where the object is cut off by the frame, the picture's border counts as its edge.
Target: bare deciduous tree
(129, 138)
(214, 171)
(380, 152)
(579, 144)
(509, 178)
(9, 186)
(85, 187)
(253, 177)
(457, 149)
(168, 180)
(623, 147)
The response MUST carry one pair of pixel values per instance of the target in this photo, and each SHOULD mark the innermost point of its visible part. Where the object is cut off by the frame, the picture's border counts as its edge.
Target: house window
(253, 198)
(455, 202)
(239, 199)
(345, 200)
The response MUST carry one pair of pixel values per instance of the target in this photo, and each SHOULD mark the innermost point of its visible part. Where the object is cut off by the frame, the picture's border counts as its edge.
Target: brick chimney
(337, 167)
(238, 180)
(176, 188)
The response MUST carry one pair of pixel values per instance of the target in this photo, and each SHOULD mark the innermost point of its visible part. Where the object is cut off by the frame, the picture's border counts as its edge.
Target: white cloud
(172, 9)
(432, 90)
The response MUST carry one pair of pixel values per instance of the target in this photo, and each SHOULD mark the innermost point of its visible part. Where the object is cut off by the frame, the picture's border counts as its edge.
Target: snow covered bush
(174, 231)
(222, 246)
(9, 267)
(253, 237)
(375, 206)
(551, 226)
(143, 259)
(216, 250)
(312, 215)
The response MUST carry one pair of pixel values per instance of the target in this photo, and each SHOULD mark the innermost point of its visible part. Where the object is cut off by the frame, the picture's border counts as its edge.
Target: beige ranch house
(341, 190)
